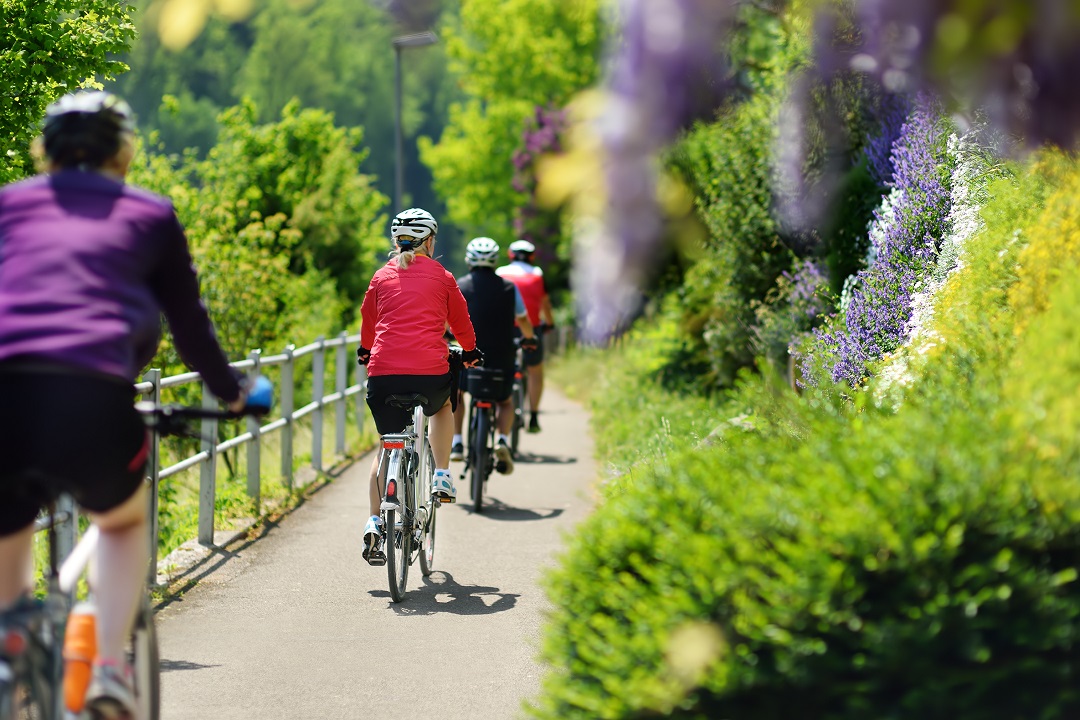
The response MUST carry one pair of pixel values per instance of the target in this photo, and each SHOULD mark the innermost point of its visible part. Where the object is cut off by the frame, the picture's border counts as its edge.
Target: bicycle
(32, 633)
(408, 509)
(482, 385)
(520, 395)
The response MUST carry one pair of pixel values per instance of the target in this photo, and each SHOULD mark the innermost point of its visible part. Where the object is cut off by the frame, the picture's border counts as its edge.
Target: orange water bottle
(80, 648)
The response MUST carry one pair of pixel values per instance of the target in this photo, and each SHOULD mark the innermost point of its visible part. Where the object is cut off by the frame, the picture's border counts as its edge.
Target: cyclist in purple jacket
(87, 266)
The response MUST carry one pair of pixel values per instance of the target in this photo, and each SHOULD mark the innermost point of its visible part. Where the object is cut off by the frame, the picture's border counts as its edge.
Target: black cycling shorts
(389, 419)
(66, 432)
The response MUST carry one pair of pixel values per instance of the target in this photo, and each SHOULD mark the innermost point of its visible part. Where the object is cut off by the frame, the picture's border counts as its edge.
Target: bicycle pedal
(376, 559)
(445, 500)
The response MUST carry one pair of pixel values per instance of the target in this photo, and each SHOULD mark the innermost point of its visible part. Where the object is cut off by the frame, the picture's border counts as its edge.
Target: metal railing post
(68, 530)
(254, 456)
(341, 382)
(153, 466)
(318, 391)
(287, 408)
(208, 470)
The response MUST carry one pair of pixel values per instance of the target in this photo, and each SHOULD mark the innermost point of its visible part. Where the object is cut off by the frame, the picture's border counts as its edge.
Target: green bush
(728, 164)
(818, 557)
(868, 566)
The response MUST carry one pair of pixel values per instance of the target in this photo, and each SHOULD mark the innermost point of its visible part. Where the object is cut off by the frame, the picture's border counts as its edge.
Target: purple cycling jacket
(87, 266)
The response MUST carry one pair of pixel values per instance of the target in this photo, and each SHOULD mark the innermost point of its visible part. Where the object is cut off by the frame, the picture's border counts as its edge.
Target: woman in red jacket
(408, 304)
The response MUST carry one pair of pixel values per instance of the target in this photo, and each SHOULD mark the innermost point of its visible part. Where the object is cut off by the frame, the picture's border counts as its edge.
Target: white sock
(503, 439)
(457, 440)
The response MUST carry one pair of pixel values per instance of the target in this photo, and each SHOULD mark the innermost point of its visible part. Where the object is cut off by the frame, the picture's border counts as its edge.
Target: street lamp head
(416, 39)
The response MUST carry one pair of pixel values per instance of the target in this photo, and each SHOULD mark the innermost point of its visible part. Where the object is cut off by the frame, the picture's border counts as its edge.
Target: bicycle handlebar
(169, 417)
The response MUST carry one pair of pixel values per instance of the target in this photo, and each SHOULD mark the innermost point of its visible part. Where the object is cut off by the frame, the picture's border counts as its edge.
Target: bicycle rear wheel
(427, 535)
(145, 661)
(398, 537)
(480, 459)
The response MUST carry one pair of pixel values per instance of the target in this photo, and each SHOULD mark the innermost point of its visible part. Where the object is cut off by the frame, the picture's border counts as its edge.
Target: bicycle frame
(407, 511)
(41, 625)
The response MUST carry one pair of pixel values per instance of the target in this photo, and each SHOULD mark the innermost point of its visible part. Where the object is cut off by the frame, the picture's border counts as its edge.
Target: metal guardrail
(284, 421)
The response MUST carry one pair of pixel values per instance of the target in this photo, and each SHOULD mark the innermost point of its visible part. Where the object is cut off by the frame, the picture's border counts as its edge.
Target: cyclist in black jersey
(494, 305)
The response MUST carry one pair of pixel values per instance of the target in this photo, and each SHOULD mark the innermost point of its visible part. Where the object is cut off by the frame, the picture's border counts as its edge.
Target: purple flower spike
(666, 72)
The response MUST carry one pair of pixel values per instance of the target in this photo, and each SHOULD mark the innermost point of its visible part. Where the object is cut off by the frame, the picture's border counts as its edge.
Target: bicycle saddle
(406, 402)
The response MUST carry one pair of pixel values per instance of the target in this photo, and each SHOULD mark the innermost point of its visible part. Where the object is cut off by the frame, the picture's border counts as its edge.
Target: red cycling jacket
(404, 315)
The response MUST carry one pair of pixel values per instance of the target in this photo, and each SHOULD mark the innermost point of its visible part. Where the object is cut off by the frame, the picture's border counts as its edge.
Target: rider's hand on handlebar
(256, 396)
(472, 358)
(363, 355)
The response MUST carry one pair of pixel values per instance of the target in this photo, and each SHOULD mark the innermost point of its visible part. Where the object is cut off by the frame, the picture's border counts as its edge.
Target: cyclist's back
(87, 266)
(491, 301)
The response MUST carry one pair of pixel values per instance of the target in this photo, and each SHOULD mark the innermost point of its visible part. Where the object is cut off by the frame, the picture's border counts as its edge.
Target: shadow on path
(496, 509)
(171, 665)
(442, 594)
(537, 459)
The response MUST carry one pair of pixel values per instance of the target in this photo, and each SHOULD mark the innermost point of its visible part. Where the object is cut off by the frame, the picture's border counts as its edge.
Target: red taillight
(517, 376)
(14, 642)
(391, 489)
(483, 404)
(394, 444)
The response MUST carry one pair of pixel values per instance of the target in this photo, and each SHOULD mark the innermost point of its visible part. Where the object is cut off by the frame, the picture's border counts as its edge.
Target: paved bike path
(295, 624)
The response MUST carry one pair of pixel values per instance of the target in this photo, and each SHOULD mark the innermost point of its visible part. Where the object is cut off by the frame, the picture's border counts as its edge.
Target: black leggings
(66, 433)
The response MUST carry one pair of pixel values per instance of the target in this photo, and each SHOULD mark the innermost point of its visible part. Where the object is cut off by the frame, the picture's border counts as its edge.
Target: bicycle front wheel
(145, 661)
(519, 413)
(427, 534)
(26, 698)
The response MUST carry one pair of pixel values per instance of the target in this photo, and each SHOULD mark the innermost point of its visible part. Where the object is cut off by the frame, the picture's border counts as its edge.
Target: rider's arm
(368, 316)
(176, 288)
(522, 315)
(457, 314)
(546, 315)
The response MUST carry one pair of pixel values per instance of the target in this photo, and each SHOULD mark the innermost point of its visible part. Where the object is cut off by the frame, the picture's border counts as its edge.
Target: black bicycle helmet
(85, 128)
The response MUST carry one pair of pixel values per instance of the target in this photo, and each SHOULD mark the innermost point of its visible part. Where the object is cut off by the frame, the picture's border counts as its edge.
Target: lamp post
(400, 43)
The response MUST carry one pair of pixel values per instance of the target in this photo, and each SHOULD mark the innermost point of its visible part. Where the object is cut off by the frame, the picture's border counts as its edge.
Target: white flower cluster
(884, 218)
(967, 194)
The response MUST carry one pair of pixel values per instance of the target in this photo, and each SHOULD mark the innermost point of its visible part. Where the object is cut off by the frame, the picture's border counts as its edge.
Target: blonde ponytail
(404, 257)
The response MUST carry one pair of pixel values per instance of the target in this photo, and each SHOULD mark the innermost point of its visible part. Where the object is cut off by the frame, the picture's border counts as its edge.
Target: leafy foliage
(850, 561)
(510, 56)
(49, 48)
(728, 164)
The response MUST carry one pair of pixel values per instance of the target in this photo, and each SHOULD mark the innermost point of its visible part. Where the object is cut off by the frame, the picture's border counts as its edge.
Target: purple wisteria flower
(876, 318)
(665, 72)
(1016, 61)
(542, 134)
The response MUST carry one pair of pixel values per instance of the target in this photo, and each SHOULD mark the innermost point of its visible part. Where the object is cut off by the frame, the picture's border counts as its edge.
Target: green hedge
(853, 559)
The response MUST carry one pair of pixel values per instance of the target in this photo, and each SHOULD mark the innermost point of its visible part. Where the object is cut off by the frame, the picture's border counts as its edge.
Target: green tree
(48, 48)
(305, 169)
(510, 56)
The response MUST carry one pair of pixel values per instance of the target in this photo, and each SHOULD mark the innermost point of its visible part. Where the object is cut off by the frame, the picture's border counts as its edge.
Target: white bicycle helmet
(414, 223)
(482, 252)
(521, 249)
